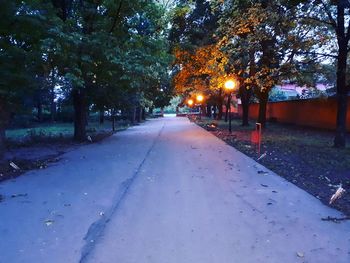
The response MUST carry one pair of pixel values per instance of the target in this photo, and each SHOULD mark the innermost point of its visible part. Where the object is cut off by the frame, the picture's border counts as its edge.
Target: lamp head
(200, 98)
(230, 84)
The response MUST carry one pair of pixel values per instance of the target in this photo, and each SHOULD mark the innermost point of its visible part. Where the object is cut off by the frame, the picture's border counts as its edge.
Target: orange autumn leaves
(202, 70)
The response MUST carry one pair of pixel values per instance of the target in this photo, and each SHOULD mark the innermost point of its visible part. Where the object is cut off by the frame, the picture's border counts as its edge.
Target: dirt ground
(303, 156)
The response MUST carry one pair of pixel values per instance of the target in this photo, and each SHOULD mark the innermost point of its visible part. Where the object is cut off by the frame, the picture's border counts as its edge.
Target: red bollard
(256, 136)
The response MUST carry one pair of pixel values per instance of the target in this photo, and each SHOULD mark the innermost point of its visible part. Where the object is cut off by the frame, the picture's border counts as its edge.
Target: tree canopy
(103, 54)
(263, 43)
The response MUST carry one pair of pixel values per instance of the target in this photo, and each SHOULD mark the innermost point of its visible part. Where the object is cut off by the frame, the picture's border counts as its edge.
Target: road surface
(166, 191)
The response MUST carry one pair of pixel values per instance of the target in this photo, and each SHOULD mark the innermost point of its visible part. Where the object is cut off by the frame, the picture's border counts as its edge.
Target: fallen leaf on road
(49, 222)
(261, 156)
(338, 194)
(18, 195)
(264, 185)
(14, 166)
(300, 254)
(262, 172)
(335, 219)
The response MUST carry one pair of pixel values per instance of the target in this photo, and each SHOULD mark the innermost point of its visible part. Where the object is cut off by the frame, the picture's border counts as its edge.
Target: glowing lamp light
(230, 85)
(190, 102)
(200, 98)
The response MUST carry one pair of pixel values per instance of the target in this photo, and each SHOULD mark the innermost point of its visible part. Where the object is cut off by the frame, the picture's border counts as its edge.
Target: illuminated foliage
(201, 71)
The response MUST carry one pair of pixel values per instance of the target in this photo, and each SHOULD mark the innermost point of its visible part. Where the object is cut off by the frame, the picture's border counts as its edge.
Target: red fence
(318, 113)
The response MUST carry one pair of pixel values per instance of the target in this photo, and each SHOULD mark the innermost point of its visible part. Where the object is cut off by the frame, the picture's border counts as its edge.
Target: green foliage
(277, 95)
(20, 32)
(114, 50)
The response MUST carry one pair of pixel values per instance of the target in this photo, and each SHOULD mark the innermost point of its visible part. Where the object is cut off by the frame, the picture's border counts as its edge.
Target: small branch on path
(335, 219)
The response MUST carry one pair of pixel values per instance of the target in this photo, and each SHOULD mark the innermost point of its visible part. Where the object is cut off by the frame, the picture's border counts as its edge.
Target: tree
(112, 53)
(326, 15)
(20, 32)
(104, 54)
(267, 36)
(193, 35)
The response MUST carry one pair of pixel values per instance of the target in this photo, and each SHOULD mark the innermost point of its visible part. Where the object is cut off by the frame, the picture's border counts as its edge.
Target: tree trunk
(53, 111)
(263, 98)
(102, 116)
(139, 114)
(342, 92)
(52, 97)
(227, 110)
(214, 111)
(342, 99)
(133, 115)
(220, 112)
(245, 115)
(80, 113)
(245, 91)
(39, 107)
(245, 98)
(269, 60)
(220, 104)
(113, 119)
(150, 111)
(208, 110)
(2, 140)
(143, 114)
(4, 116)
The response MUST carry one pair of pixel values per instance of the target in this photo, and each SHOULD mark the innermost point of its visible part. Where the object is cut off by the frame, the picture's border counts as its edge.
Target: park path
(166, 191)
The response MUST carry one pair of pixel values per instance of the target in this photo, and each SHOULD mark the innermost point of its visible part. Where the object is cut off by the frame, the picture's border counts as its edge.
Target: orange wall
(319, 113)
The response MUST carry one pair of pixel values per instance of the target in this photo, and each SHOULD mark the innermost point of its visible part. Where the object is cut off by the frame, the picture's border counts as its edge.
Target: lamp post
(229, 86)
(199, 99)
(190, 104)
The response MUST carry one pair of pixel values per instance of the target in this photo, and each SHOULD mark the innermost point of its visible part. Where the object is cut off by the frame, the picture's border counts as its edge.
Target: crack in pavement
(97, 228)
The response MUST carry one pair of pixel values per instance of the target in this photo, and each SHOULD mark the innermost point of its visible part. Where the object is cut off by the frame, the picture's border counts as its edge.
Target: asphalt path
(163, 192)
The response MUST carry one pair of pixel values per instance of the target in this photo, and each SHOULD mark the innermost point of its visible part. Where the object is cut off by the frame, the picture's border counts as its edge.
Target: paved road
(164, 192)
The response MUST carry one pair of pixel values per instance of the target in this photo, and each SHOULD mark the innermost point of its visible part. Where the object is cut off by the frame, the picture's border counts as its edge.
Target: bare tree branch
(115, 20)
(317, 54)
(316, 19)
(329, 14)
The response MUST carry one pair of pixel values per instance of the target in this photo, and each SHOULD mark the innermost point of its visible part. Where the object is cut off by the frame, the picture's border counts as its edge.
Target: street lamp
(199, 99)
(230, 86)
(190, 102)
